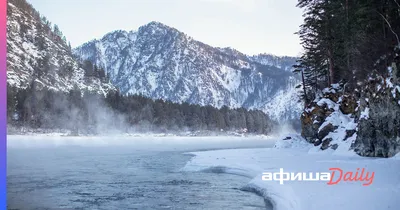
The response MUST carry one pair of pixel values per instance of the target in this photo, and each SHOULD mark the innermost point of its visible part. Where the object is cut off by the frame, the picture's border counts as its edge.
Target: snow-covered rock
(330, 121)
(368, 125)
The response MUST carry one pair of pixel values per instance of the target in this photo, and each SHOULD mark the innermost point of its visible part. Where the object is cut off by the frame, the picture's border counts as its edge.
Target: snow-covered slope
(163, 63)
(299, 157)
(36, 53)
(284, 62)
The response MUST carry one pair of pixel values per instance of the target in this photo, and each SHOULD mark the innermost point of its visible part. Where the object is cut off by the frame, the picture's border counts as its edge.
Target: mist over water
(122, 172)
(283, 129)
(148, 142)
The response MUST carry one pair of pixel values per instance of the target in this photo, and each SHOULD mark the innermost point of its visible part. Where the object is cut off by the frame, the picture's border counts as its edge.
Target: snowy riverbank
(297, 156)
(132, 133)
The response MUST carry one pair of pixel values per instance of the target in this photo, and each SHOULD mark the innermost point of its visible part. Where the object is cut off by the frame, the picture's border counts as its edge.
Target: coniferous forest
(346, 42)
(350, 75)
(91, 113)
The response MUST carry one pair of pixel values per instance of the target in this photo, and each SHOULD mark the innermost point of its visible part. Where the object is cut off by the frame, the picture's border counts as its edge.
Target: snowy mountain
(37, 52)
(284, 62)
(161, 62)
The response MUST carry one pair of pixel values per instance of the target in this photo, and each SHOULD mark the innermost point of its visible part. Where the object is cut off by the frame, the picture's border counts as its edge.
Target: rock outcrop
(379, 123)
(368, 124)
(324, 117)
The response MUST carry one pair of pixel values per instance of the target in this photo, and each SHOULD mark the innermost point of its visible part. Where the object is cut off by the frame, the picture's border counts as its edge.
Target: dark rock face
(310, 122)
(325, 143)
(348, 105)
(349, 133)
(326, 130)
(334, 146)
(379, 135)
(308, 130)
(312, 119)
(317, 142)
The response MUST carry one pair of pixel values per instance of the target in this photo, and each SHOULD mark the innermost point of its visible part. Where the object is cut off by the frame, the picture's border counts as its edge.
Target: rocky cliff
(366, 120)
(379, 123)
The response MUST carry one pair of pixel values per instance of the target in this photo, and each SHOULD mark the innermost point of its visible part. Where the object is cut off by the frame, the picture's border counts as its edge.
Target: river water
(118, 177)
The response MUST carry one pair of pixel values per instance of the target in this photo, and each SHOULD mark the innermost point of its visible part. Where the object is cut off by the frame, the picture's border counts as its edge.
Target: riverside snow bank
(297, 157)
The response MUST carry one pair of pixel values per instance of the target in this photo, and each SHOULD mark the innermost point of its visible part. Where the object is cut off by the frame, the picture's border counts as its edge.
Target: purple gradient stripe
(3, 104)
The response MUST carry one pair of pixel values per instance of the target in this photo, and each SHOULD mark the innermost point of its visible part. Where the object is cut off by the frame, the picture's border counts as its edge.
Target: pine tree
(345, 41)
(57, 31)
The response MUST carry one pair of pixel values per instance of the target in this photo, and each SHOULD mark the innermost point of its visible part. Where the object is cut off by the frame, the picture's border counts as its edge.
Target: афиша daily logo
(335, 176)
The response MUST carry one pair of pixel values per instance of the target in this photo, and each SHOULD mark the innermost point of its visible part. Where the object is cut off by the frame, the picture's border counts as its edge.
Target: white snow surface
(296, 156)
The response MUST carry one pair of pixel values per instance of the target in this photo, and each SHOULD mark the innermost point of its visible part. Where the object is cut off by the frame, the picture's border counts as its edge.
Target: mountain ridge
(37, 53)
(256, 57)
(161, 62)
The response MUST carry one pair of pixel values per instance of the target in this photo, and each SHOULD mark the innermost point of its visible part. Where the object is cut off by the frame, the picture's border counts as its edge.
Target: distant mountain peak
(156, 24)
(161, 62)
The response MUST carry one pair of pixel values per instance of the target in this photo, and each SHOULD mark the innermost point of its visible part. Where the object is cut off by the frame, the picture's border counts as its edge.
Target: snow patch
(328, 102)
(365, 113)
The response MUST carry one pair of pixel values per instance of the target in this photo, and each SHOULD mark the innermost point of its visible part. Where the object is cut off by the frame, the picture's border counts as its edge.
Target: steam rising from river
(150, 142)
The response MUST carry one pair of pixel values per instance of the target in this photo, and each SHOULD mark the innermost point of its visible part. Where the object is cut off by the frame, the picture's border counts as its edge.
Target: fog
(284, 129)
(76, 113)
(140, 142)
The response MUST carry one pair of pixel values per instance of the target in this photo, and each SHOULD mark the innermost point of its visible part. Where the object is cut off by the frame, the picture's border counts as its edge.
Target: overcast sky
(250, 26)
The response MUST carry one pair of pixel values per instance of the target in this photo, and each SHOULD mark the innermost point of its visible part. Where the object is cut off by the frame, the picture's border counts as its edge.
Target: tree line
(347, 41)
(87, 112)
